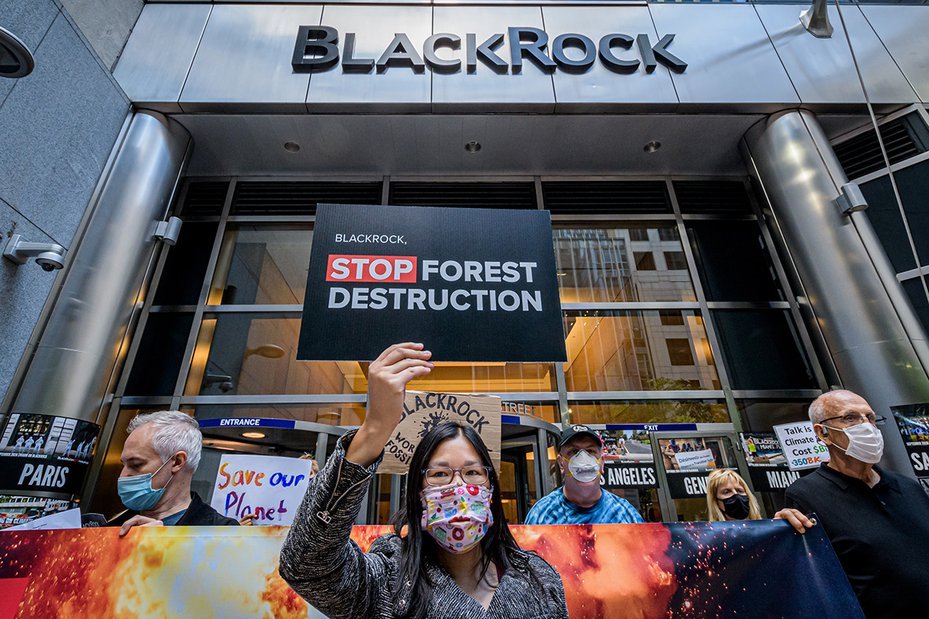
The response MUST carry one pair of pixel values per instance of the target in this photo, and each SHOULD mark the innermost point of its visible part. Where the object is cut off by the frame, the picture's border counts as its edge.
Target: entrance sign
(317, 49)
(802, 448)
(270, 488)
(679, 569)
(424, 411)
(471, 284)
(913, 423)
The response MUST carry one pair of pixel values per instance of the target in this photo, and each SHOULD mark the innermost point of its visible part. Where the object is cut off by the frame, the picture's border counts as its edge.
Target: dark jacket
(323, 565)
(198, 514)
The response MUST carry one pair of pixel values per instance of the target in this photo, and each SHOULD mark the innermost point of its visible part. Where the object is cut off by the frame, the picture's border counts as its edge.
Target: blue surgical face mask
(136, 491)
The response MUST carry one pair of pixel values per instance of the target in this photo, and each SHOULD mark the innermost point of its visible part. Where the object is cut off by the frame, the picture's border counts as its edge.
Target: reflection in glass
(650, 411)
(733, 261)
(262, 265)
(762, 415)
(763, 350)
(637, 263)
(487, 378)
(242, 354)
(540, 410)
(637, 351)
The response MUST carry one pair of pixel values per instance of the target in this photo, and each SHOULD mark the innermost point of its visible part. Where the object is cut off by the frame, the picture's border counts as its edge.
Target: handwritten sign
(801, 446)
(424, 411)
(702, 460)
(268, 487)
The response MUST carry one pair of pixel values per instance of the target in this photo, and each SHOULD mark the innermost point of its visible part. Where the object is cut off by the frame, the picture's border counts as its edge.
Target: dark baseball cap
(577, 430)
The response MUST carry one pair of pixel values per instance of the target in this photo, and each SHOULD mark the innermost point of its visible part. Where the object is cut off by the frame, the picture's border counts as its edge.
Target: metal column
(872, 333)
(79, 346)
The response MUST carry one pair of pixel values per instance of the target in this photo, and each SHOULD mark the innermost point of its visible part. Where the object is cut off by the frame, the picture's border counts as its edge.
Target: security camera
(49, 256)
(50, 261)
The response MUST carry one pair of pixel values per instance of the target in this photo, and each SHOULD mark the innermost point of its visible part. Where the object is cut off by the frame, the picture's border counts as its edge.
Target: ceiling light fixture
(473, 146)
(253, 435)
(652, 147)
(291, 147)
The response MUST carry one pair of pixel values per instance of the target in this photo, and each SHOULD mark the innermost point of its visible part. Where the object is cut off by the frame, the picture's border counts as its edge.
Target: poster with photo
(688, 462)
(767, 464)
(18, 510)
(913, 423)
(627, 459)
(45, 453)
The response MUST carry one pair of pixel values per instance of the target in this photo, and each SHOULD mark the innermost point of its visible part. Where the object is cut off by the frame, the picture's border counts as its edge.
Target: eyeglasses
(854, 419)
(443, 475)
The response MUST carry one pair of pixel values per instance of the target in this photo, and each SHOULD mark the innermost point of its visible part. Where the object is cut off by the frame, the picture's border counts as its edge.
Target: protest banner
(702, 460)
(627, 459)
(268, 487)
(472, 284)
(802, 448)
(424, 411)
(913, 423)
(767, 464)
(721, 569)
(46, 454)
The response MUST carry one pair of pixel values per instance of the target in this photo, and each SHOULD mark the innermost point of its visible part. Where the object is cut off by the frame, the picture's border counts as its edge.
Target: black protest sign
(687, 485)
(471, 284)
(424, 411)
(618, 474)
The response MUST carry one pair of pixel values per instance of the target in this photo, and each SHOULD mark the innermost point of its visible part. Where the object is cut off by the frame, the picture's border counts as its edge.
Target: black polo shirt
(880, 534)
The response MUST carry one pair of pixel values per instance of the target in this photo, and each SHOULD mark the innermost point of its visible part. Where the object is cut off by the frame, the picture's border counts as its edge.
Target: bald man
(877, 520)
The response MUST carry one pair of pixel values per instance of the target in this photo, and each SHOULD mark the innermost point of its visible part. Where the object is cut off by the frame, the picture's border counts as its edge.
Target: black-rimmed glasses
(443, 475)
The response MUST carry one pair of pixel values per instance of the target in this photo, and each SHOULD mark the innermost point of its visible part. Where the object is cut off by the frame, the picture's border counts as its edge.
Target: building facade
(705, 165)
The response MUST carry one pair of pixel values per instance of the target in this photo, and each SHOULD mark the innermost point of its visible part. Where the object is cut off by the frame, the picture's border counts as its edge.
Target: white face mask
(584, 467)
(865, 442)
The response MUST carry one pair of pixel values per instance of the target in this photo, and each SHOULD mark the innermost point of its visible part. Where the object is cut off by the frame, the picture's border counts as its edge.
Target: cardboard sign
(424, 411)
(702, 460)
(471, 284)
(267, 487)
(802, 448)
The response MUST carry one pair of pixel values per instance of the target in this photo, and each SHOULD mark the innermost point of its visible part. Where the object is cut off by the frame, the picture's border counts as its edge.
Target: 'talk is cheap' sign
(471, 284)
(801, 446)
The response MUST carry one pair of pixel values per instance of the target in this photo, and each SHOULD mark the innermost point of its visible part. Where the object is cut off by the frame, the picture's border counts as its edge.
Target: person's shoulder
(622, 510)
(200, 514)
(544, 570)
(542, 507)
(388, 545)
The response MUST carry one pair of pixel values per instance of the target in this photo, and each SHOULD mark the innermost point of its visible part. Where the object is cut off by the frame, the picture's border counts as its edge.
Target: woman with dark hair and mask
(452, 554)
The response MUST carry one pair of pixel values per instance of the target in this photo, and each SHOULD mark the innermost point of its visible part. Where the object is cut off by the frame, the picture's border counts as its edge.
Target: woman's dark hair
(498, 546)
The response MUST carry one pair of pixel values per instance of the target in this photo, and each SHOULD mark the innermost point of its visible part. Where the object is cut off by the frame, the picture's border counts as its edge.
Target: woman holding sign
(457, 558)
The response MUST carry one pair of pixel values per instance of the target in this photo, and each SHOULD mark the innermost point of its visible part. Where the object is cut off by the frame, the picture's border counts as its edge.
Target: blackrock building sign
(317, 49)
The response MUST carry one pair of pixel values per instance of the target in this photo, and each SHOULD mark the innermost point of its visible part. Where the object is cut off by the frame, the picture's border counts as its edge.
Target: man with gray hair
(877, 520)
(159, 459)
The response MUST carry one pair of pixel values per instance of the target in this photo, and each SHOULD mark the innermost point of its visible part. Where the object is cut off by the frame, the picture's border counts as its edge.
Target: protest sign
(682, 569)
(913, 423)
(802, 448)
(268, 487)
(767, 465)
(45, 453)
(424, 411)
(702, 460)
(471, 284)
(627, 459)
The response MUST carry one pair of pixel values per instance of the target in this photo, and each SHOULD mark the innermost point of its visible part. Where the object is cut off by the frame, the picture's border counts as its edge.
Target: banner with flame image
(731, 569)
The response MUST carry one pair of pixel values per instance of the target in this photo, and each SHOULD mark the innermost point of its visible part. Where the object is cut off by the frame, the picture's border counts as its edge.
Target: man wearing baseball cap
(580, 500)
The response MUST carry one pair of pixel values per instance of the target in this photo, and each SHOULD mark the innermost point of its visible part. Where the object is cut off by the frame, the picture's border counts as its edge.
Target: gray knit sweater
(323, 565)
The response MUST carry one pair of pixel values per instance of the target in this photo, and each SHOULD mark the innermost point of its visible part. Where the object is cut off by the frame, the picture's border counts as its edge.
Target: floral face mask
(457, 516)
